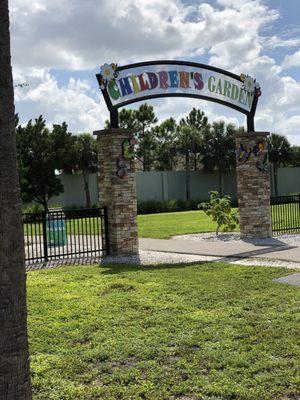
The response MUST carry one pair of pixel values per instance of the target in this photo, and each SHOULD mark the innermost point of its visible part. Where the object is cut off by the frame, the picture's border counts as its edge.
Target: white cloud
(292, 60)
(72, 34)
(75, 34)
(275, 42)
(70, 103)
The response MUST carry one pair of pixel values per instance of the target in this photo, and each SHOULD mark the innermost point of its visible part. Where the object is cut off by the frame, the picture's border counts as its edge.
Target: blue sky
(58, 46)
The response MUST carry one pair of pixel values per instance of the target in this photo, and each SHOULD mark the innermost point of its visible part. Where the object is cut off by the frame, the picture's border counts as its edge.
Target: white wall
(167, 185)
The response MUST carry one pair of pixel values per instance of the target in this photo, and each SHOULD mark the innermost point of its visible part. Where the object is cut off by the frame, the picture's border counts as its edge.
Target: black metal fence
(65, 234)
(286, 214)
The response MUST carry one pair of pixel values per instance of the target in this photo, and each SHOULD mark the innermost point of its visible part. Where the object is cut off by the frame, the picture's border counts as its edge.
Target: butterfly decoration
(121, 168)
(263, 165)
(258, 148)
(242, 154)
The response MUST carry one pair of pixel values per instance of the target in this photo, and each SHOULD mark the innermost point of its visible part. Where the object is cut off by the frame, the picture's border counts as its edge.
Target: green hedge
(156, 206)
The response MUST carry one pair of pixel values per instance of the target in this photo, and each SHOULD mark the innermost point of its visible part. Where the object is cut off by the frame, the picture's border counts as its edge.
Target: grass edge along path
(204, 331)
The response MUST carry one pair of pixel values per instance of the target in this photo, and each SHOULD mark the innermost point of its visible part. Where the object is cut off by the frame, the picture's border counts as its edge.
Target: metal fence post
(44, 215)
(106, 229)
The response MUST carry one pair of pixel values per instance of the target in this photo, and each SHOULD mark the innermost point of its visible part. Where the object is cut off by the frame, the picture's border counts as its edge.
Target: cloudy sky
(59, 45)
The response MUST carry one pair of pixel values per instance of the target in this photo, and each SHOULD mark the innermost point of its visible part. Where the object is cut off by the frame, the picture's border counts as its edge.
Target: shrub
(32, 208)
(219, 209)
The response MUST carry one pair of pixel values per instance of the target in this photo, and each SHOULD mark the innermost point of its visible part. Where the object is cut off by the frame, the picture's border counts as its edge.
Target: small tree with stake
(219, 209)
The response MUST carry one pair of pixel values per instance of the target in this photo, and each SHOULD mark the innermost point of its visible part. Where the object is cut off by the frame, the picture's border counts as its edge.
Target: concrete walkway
(243, 249)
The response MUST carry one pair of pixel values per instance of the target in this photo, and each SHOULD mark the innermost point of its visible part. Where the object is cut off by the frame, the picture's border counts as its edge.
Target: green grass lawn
(207, 331)
(165, 225)
(161, 226)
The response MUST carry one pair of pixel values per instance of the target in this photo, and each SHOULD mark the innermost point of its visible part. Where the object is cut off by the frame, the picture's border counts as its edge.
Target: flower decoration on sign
(250, 85)
(108, 72)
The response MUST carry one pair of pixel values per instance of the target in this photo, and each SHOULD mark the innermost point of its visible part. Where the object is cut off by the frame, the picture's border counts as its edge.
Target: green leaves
(219, 209)
(41, 153)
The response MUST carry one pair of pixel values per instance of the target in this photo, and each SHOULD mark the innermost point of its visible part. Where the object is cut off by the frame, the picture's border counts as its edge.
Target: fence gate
(286, 214)
(65, 234)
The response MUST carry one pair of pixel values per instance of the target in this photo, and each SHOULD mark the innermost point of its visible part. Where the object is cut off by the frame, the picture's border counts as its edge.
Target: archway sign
(148, 80)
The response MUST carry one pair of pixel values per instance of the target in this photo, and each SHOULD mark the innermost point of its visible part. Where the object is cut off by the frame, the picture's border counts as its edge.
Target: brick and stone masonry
(253, 184)
(119, 194)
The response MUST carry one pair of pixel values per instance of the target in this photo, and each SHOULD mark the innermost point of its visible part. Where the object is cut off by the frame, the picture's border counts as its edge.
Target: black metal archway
(137, 82)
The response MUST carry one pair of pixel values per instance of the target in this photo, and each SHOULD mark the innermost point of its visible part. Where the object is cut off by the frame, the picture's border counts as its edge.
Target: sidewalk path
(243, 249)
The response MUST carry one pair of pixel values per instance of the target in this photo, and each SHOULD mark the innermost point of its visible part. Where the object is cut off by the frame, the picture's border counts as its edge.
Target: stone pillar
(253, 184)
(117, 190)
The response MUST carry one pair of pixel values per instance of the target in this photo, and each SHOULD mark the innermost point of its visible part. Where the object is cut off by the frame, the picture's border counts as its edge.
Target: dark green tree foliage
(218, 151)
(146, 149)
(280, 154)
(199, 122)
(165, 134)
(127, 119)
(85, 160)
(143, 121)
(295, 157)
(63, 143)
(40, 153)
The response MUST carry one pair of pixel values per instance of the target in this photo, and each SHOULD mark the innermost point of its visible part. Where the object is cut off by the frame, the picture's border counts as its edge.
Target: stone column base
(117, 190)
(253, 184)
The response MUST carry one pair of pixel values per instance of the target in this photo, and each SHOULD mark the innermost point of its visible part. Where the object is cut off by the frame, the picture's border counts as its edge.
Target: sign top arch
(132, 83)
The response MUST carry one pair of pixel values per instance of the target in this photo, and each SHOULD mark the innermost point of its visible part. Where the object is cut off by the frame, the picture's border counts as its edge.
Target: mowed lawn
(165, 225)
(162, 225)
(207, 331)
(158, 225)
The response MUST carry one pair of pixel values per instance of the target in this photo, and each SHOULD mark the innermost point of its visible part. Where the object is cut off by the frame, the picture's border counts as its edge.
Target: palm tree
(145, 119)
(86, 160)
(197, 120)
(165, 135)
(279, 154)
(186, 138)
(218, 151)
(14, 358)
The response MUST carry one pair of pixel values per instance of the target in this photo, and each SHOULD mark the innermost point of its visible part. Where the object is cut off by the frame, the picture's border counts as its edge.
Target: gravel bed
(234, 237)
(156, 257)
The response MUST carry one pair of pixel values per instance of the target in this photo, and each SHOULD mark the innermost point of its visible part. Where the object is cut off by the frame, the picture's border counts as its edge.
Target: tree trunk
(85, 175)
(195, 161)
(275, 173)
(220, 183)
(14, 357)
(144, 160)
(45, 203)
